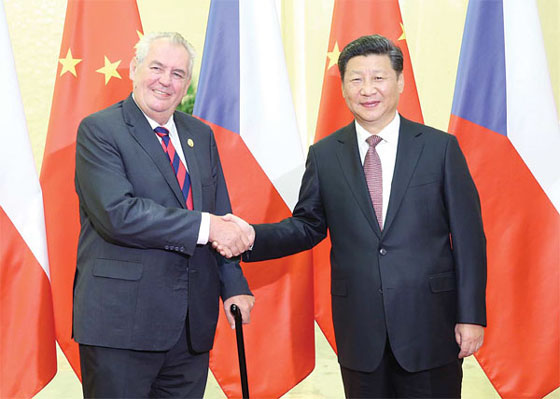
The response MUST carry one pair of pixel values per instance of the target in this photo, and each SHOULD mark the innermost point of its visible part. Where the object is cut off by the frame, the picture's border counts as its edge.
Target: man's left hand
(469, 337)
(245, 303)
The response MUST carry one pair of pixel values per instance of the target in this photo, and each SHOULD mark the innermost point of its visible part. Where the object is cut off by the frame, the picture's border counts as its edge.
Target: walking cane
(240, 350)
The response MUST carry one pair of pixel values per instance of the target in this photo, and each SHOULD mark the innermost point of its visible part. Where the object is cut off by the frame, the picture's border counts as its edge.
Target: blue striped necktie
(177, 165)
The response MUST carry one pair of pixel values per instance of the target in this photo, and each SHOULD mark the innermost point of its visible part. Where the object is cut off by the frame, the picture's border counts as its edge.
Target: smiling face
(371, 88)
(161, 80)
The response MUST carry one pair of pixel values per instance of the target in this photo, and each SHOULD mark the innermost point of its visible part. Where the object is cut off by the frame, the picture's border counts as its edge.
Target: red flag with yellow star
(352, 19)
(97, 46)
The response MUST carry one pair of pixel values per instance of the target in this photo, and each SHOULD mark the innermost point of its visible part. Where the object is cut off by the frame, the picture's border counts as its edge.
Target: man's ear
(400, 82)
(132, 68)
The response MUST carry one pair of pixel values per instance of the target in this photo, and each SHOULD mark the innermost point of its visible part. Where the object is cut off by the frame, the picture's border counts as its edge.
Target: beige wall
(36, 31)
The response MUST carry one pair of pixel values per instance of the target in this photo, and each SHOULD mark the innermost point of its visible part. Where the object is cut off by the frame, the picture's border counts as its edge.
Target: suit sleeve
(306, 228)
(467, 235)
(108, 197)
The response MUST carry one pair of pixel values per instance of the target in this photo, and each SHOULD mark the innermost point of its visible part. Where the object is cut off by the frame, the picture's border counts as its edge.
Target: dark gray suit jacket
(139, 268)
(413, 281)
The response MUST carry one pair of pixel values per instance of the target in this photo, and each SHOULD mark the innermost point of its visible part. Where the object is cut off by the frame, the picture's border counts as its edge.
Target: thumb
(230, 319)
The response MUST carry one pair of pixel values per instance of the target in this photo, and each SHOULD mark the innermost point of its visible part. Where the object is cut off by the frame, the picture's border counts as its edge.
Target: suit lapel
(351, 166)
(188, 145)
(408, 152)
(142, 132)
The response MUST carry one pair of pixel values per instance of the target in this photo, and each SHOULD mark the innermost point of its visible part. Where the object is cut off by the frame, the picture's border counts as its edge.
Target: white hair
(143, 46)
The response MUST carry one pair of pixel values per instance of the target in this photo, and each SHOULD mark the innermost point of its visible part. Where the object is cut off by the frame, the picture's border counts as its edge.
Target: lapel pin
(190, 143)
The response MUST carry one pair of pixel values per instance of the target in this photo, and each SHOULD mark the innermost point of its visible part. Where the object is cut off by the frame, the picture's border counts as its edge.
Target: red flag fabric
(27, 343)
(510, 136)
(352, 19)
(97, 46)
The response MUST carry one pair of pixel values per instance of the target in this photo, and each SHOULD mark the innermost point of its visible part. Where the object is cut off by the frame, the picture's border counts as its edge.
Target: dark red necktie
(177, 165)
(374, 179)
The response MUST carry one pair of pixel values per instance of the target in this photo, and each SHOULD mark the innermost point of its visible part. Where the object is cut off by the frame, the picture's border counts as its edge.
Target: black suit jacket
(139, 268)
(411, 282)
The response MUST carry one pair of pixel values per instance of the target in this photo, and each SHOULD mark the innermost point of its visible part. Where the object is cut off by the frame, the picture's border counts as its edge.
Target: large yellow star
(110, 70)
(333, 55)
(403, 36)
(69, 63)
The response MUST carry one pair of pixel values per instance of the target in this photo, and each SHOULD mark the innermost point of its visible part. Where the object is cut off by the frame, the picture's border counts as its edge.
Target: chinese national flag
(97, 46)
(352, 19)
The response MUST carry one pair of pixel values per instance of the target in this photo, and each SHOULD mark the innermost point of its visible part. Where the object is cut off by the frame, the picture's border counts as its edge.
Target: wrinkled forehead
(165, 51)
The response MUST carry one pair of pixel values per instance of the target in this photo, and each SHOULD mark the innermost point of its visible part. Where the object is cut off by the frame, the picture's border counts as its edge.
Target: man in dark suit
(147, 285)
(408, 258)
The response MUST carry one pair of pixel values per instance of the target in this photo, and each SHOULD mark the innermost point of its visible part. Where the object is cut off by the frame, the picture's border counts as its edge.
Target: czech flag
(505, 119)
(27, 338)
(244, 95)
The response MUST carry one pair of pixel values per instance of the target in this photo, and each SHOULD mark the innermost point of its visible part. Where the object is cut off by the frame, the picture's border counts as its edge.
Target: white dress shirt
(204, 230)
(387, 151)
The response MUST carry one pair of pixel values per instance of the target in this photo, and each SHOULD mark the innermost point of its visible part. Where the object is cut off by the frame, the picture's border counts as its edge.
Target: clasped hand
(230, 235)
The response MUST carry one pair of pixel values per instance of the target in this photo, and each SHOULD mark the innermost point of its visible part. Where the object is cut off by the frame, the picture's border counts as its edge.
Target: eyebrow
(157, 63)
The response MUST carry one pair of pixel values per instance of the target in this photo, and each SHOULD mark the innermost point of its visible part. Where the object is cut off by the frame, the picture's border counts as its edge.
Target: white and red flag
(506, 122)
(27, 344)
(244, 94)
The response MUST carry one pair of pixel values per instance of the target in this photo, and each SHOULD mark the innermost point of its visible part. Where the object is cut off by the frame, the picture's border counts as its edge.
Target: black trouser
(123, 373)
(390, 380)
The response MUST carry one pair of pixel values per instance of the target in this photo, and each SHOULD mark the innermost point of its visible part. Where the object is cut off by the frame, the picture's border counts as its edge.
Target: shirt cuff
(204, 231)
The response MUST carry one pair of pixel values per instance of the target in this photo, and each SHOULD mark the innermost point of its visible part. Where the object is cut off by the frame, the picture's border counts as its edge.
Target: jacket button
(381, 291)
(383, 251)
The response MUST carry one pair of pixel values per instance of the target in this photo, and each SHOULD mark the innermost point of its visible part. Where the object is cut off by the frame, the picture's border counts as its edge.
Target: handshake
(230, 235)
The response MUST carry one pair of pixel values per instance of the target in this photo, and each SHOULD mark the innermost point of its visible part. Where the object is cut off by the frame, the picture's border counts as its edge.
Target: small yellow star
(110, 70)
(140, 36)
(69, 63)
(403, 36)
(333, 55)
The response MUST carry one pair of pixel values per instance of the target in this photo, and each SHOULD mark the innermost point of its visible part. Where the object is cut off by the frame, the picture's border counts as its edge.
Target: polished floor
(323, 383)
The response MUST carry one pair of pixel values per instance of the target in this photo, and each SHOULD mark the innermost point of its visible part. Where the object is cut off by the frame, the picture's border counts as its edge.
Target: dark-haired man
(408, 252)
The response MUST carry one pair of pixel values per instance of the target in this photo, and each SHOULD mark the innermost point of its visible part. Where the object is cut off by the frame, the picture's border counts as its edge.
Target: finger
(227, 217)
(230, 319)
(221, 249)
(246, 318)
(246, 241)
(467, 349)
(226, 252)
(245, 308)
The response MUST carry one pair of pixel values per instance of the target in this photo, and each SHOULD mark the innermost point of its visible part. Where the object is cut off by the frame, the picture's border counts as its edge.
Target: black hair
(372, 44)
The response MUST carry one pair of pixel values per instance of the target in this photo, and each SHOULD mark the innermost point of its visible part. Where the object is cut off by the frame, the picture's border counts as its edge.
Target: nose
(165, 78)
(368, 88)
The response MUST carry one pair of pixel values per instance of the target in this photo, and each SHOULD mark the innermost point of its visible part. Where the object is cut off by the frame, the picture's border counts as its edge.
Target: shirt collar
(153, 124)
(389, 133)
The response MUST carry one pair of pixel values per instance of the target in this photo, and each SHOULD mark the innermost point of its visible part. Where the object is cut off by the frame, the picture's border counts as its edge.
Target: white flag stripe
(531, 112)
(20, 192)
(267, 116)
